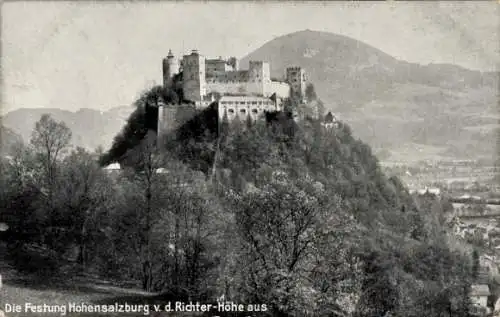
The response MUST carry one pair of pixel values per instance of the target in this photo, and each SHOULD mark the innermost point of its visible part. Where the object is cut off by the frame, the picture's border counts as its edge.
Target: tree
(310, 92)
(49, 139)
(147, 163)
(86, 191)
(475, 264)
(320, 109)
(143, 119)
(19, 188)
(287, 232)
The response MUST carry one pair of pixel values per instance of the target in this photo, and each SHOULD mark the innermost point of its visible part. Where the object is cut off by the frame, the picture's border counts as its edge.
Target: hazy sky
(71, 55)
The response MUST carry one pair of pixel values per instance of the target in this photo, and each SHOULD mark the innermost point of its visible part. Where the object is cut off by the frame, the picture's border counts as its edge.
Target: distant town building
(479, 295)
(426, 191)
(330, 121)
(113, 167)
(489, 265)
(496, 309)
(161, 170)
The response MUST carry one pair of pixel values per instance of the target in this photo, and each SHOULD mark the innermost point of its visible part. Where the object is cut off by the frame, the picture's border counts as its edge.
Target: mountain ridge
(392, 103)
(90, 128)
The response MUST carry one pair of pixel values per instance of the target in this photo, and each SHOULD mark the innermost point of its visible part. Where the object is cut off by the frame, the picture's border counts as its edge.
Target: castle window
(255, 111)
(231, 111)
(254, 102)
(242, 102)
(260, 103)
(243, 111)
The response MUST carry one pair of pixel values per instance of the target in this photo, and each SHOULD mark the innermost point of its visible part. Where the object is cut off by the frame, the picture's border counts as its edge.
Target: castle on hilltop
(202, 78)
(240, 93)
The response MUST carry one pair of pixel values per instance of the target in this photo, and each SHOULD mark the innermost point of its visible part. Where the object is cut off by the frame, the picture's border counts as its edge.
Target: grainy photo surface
(250, 159)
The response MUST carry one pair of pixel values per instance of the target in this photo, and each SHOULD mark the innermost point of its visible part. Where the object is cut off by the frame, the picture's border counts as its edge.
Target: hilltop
(282, 182)
(445, 110)
(305, 202)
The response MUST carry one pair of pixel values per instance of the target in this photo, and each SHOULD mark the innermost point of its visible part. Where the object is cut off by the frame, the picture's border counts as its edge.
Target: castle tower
(296, 78)
(234, 63)
(193, 77)
(259, 75)
(170, 68)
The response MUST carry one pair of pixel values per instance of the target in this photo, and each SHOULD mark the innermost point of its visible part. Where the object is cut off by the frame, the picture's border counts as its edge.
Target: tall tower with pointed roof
(170, 68)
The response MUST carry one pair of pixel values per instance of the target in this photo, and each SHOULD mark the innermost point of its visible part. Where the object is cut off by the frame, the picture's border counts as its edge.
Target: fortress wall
(216, 65)
(238, 76)
(259, 71)
(184, 114)
(235, 88)
(281, 89)
(171, 117)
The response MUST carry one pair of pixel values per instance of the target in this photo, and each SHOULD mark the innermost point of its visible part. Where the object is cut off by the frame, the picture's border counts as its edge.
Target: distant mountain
(8, 140)
(90, 128)
(414, 111)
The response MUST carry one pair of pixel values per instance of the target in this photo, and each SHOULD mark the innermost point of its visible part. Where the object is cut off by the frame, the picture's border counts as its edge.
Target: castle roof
(170, 53)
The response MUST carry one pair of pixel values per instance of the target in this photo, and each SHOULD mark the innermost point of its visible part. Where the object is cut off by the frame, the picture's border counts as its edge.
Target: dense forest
(286, 214)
